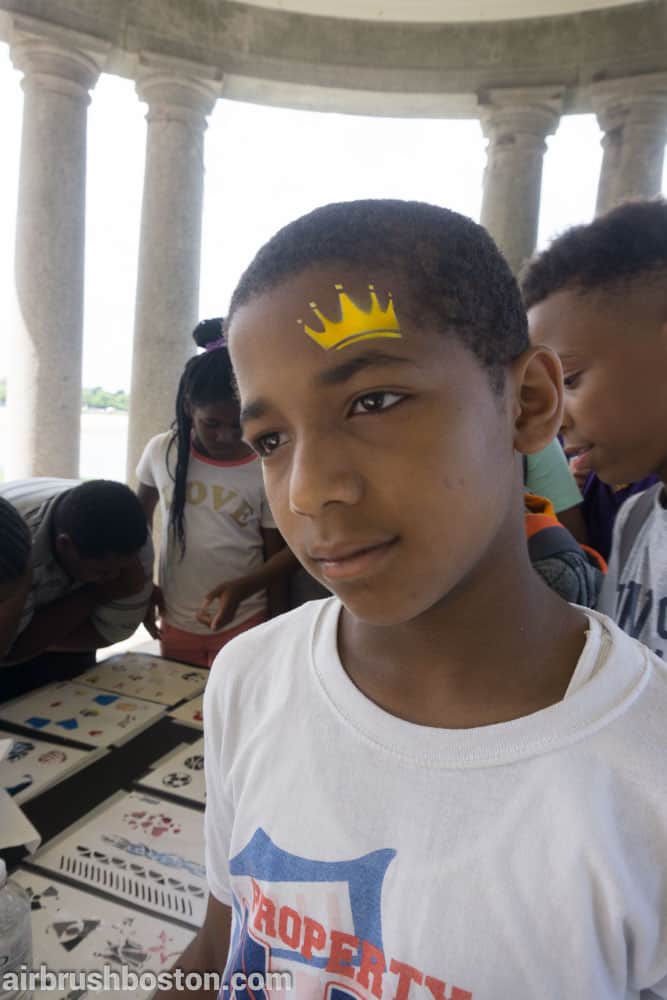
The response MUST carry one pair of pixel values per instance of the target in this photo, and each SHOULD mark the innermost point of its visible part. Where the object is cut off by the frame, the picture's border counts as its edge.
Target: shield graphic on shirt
(271, 929)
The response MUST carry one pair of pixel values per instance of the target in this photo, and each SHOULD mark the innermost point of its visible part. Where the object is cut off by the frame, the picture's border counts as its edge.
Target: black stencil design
(196, 762)
(71, 933)
(176, 779)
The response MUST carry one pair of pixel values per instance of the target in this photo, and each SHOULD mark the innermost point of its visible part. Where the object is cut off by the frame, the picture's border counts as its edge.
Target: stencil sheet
(140, 849)
(181, 773)
(32, 765)
(74, 930)
(191, 713)
(81, 713)
(143, 676)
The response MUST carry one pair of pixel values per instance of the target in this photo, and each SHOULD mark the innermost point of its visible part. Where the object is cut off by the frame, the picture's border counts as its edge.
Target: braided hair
(15, 543)
(206, 379)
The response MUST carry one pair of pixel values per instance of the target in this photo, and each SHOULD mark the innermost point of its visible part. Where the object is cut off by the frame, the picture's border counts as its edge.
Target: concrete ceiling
(442, 11)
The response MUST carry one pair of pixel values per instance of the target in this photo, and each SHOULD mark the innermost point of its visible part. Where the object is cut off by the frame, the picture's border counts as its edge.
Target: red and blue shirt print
(321, 921)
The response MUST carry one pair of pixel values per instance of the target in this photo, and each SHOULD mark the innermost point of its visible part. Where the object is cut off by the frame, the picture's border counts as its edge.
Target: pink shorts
(200, 650)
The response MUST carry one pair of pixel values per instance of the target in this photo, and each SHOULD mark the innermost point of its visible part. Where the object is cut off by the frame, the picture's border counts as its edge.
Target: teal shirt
(548, 475)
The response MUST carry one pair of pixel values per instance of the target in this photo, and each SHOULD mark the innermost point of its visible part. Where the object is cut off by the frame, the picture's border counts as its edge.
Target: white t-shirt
(634, 591)
(375, 858)
(225, 508)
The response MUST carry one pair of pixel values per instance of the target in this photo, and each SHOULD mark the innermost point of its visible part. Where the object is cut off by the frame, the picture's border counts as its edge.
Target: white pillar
(170, 244)
(610, 120)
(44, 384)
(516, 123)
(633, 117)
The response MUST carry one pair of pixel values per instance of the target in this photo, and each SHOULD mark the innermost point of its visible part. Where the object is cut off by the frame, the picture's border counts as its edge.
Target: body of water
(103, 444)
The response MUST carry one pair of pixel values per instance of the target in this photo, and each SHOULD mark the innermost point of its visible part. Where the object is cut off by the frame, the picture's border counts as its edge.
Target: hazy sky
(264, 166)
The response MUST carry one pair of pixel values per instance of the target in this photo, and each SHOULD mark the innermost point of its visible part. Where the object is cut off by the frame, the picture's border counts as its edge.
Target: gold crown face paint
(355, 323)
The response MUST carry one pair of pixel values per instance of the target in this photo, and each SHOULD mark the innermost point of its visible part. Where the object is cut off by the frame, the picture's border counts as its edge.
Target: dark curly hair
(453, 274)
(625, 244)
(102, 517)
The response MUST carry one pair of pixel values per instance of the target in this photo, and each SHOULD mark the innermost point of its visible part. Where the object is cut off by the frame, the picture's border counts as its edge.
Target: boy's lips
(342, 562)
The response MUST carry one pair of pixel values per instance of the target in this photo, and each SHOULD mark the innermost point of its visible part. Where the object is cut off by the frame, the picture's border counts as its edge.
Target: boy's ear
(538, 398)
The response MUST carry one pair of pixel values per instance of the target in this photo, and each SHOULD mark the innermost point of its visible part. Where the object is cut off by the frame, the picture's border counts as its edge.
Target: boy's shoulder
(634, 515)
(271, 648)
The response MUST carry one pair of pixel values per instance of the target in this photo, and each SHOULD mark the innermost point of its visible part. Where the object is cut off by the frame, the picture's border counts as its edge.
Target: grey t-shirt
(634, 592)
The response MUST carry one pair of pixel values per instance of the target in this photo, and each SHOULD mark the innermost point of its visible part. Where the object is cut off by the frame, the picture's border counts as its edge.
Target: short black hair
(102, 517)
(455, 277)
(625, 244)
(15, 543)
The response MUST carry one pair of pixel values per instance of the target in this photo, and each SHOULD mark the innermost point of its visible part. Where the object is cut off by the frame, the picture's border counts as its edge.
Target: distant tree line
(91, 399)
(101, 399)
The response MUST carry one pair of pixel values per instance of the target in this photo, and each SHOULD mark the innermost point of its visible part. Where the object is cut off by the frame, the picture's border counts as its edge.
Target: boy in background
(598, 297)
(90, 576)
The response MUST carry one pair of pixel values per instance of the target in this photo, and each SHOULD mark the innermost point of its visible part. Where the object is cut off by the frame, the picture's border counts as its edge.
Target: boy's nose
(566, 420)
(319, 475)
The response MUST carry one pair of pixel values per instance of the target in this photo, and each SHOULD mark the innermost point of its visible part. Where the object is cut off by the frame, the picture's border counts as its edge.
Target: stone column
(516, 123)
(633, 117)
(170, 243)
(610, 120)
(44, 385)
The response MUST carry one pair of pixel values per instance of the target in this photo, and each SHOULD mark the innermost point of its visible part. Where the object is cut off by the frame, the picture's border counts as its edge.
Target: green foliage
(92, 399)
(101, 399)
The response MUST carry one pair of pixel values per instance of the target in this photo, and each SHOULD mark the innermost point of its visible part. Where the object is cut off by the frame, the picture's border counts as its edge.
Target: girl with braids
(223, 565)
(15, 571)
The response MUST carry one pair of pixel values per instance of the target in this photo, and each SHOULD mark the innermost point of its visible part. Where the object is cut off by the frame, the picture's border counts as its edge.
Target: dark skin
(612, 344)
(337, 497)
(357, 448)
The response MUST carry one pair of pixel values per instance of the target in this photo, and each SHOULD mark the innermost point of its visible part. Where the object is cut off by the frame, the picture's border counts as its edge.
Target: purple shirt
(600, 506)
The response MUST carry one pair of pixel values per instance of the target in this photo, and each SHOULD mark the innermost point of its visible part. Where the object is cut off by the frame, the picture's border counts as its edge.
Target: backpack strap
(639, 512)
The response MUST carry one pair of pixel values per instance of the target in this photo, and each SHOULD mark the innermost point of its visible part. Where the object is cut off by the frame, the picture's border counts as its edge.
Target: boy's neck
(508, 652)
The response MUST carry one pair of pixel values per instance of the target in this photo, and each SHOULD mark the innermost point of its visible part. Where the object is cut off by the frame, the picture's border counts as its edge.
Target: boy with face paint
(427, 785)
(598, 297)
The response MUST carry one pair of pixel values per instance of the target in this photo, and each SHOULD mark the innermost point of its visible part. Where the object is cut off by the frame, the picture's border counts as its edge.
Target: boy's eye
(375, 402)
(570, 381)
(266, 444)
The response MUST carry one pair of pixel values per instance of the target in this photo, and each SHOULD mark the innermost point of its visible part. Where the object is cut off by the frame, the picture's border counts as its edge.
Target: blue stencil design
(68, 723)
(37, 721)
(143, 851)
(105, 699)
(25, 782)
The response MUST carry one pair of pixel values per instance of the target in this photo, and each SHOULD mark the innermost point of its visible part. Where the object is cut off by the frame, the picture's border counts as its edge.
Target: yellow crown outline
(355, 324)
